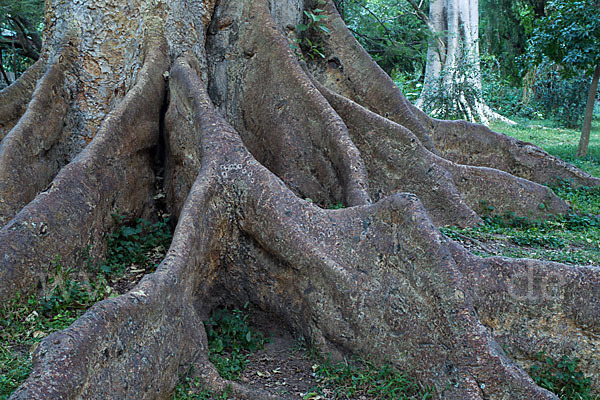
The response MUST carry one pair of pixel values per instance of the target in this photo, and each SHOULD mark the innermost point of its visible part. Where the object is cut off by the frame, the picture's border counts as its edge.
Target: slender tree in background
(570, 36)
(247, 130)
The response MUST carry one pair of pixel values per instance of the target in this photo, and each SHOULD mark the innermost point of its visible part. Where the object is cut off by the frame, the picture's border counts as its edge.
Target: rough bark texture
(250, 132)
(453, 71)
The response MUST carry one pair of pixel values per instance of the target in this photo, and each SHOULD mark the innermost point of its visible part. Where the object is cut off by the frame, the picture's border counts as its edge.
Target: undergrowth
(67, 292)
(362, 379)
(231, 340)
(136, 244)
(192, 389)
(561, 377)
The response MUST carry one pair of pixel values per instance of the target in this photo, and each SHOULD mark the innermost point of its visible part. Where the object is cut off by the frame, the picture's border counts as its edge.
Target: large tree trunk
(452, 85)
(250, 133)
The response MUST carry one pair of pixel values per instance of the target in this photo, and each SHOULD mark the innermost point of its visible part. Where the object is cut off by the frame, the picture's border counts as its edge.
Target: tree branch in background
(425, 18)
(2, 69)
(26, 43)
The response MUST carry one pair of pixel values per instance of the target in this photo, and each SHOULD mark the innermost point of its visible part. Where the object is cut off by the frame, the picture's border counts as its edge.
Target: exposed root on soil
(452, 194)
(290, 127)
(113, 173)
(473, 144)
(376, 280)
(349, 71)
(14, 99)
(33, 141)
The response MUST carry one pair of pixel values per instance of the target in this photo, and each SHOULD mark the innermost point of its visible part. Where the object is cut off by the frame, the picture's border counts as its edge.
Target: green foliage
(569, 35)
(13, 12)
(64, 291)
(390, 31)
(585, 200)
(351, 380)
(336, 206)
(134, 243)
(409, 83)
(231, 340)
(499, 92)
(313, 27)
(191, 389)
(561, 377)
(504, 28)
(561, 98)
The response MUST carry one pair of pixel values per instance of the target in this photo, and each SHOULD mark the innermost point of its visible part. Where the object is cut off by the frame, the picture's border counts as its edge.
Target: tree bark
(452, 85)
(250, 132)
(584, 140)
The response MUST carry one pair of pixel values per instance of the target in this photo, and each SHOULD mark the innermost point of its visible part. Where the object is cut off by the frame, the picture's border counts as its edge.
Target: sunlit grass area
(560, 142)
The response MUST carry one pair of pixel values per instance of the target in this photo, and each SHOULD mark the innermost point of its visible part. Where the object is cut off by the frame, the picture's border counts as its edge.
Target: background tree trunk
(249, 132)
(452, 85)
(582, 149)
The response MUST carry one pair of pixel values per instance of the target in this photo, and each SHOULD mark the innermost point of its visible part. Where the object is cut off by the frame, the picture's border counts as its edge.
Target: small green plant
(313, 27)
(336, 206)
(561, 377)
(66, 290)
(23, 324)
(191, 389)
(351, 380)
(231, 340)
(134, 243)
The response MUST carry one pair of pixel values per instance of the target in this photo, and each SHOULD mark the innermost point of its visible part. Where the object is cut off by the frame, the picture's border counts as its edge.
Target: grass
(560, 142)
(358, 378)
(68, 292)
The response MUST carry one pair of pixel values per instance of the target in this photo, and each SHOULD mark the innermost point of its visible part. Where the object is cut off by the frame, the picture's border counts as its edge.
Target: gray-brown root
(157, 322)
(473, 144)
(288, 125)
(34, 141)
(113, 173)
(376, 280)
(452, 194)
(532, 306)
(349, 71)
(14, 99)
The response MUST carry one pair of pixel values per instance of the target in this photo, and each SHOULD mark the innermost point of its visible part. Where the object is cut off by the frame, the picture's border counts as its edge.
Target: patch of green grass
(559, 142)
(573, 238)
(351, 380)
(231, 340)
(191, 389)
(561, 377)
